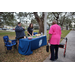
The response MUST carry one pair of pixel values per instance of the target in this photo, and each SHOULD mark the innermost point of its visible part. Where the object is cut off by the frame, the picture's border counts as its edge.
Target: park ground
(38, 55)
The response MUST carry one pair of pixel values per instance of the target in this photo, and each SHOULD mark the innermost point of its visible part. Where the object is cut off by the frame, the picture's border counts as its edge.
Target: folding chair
(8, 45)
(63, 46)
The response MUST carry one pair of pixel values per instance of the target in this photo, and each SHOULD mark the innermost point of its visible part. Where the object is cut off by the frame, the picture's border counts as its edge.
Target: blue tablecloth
(27, 46)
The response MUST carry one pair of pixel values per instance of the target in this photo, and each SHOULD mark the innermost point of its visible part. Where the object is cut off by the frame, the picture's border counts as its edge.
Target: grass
(38, 55)
(64, 33)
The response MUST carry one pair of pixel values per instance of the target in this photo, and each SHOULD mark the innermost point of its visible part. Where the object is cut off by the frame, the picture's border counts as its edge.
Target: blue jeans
(54, 52)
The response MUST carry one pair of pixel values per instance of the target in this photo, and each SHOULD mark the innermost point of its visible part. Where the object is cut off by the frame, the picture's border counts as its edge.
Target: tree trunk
(41, 26)
(66, 27)
(61, 27)
(40, 21)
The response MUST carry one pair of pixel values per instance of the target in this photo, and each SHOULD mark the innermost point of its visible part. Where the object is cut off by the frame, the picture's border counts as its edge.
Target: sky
(28, 19)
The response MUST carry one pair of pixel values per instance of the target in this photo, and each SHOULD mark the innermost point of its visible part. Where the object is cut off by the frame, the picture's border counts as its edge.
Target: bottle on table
(41, 33)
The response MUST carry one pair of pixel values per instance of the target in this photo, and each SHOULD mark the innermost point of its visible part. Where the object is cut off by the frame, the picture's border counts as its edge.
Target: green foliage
(7, 18)
(63, 18)
(34, 21)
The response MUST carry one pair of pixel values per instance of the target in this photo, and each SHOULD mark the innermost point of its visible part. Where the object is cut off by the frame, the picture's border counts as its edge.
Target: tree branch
(64, 17)
(54, 14)
(36, 16)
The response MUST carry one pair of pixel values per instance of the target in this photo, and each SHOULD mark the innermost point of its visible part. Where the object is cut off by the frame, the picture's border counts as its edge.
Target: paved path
(70, 51)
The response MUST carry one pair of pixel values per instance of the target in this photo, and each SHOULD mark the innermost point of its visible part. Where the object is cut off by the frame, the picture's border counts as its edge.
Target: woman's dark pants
(54, 52)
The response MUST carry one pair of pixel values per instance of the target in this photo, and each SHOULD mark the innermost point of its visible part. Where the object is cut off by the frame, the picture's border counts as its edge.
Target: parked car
(14, 29)
(7, 29)
(48, 27)
(0, 28)
(10, 29)
(4, 29)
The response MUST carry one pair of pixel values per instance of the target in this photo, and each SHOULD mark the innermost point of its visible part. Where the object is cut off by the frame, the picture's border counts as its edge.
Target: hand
(48, 42)
(30, 35)
(24, 36)
(23, 27)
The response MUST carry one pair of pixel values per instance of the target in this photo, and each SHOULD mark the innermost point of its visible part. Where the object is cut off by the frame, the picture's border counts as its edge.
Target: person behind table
(19, 30)
(30, 30)
(54, 40)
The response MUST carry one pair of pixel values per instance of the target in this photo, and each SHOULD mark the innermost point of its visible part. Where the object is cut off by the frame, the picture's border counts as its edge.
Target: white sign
(40, 42)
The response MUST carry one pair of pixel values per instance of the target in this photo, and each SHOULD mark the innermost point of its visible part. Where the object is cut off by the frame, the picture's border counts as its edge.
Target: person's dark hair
(30, 25)
(19, 22)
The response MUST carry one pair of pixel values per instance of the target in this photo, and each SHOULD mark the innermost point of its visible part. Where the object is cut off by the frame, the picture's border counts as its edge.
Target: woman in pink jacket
(54, 40)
